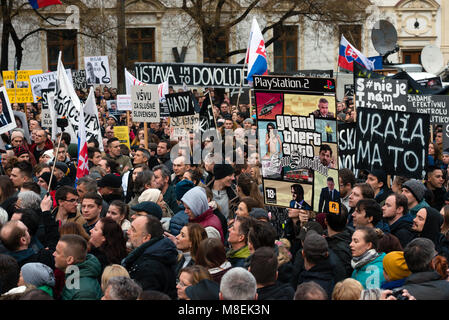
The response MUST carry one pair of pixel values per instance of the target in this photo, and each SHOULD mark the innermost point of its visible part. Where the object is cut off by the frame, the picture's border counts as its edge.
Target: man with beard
(395, 212)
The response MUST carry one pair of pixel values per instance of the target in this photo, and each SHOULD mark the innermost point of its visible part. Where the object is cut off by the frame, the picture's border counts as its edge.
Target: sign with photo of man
(97, 70)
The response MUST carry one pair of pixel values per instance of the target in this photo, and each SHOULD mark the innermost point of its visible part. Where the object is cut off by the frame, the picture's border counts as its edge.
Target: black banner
(387, 94)
(286, 84)
(394, 141)
(347, 146)
(312, 73)
(196, 75)
(180, 104)
(207, 120)
(79, 79)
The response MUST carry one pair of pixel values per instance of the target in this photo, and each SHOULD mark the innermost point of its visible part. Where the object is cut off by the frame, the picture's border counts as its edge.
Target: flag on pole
(256, 57)
(130, 81)
(348, 55)
(36, 4)
(93, 128)
(162, 89)
(82, 167)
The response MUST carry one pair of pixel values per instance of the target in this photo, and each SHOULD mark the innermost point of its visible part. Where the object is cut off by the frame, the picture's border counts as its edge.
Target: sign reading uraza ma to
(145, 103)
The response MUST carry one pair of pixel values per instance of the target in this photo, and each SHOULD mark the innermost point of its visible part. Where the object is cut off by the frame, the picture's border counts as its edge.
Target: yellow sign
(20, 91)
(122, 134)
(334, 207)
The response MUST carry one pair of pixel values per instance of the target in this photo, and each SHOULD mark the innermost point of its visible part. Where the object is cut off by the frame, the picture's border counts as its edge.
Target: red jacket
(208, 218)
(48, 146)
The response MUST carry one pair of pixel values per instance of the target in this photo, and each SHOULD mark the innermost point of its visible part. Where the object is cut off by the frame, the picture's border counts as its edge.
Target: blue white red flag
(348, 55)
(36, 4)
(82, 167)
(256, 56)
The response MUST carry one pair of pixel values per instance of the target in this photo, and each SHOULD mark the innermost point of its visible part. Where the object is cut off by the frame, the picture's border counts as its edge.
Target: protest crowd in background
(137, 220)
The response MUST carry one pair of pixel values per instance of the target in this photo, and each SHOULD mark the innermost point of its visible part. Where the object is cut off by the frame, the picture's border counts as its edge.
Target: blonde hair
(348, 289)
(113, 270)
(284, 255)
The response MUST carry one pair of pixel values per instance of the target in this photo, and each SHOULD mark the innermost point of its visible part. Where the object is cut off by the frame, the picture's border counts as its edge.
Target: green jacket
(237, 257)
(413, 211)
(84, 285)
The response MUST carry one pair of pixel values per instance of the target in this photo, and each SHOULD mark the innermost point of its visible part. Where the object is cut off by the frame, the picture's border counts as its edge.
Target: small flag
(36, 4)
(82, 167)
(348, 55)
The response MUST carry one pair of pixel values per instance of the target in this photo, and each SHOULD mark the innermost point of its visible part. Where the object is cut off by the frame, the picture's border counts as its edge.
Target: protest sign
(44, 81)
(19, 91)
(181, 107)
(196, 75)
(45, 113)
(79, 79)
(386, 94)
(347, 146)
(124, 102)
(145, 104)
(7, 120)
(97, 70)
(298, 144)
(396, 142)
(122, 134)
(22, 123)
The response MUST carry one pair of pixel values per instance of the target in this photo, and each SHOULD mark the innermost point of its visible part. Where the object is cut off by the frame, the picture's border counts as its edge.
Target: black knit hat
(222, 170)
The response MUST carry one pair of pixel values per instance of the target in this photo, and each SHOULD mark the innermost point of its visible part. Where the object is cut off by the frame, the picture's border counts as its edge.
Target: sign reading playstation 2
(298, 144)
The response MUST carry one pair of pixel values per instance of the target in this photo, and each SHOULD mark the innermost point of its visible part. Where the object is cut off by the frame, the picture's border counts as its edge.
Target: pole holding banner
(145, 134)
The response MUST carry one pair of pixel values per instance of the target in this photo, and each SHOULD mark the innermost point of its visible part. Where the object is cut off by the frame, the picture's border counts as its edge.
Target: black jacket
(322, 274)
(153, 264)
(339, 244)
(435, 198)
(276, 291)
(427, 286)
(402, 229)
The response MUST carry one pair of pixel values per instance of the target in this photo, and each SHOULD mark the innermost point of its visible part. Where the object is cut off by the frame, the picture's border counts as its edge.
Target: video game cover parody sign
(298, 144)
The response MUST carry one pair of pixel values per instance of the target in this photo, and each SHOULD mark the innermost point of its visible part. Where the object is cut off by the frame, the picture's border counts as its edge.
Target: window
(412, 56)
(65, 41)
(352, 33)
(286, 49)
(220, 47)
(140, 44)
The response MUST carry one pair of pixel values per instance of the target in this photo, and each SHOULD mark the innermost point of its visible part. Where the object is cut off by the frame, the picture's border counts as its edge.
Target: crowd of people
(146, 226)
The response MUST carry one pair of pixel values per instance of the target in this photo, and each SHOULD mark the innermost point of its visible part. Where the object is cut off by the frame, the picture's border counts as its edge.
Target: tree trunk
(121, 46)
(5, 36)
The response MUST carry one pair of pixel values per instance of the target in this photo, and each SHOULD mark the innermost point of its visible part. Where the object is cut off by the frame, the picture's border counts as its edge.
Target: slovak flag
(348, 55)
(83, 166)
(256, 56)
(36, 4)
(130, 81)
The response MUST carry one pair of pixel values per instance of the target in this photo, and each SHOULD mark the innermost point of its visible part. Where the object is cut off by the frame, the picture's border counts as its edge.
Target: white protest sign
(145, 103)
(124, 102)
(44, 81)
(97, 70)
(92, 123)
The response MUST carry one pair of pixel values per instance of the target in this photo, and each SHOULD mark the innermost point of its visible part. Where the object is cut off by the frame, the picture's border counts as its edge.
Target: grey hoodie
(196, 200)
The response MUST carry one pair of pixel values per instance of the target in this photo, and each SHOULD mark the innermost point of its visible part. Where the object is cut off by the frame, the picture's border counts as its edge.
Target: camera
(62, 122)
(397, 293)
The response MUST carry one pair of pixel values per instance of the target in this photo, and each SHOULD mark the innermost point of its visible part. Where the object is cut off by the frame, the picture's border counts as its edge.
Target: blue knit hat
(182, 187)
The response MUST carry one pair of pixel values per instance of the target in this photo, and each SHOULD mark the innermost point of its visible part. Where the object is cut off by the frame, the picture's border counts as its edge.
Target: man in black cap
(223, 188)
(377, 179)
(110, 188)
(61, 175)
(146, 208)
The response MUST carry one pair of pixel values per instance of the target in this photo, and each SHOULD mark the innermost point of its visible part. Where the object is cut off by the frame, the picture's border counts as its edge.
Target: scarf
(360, 261)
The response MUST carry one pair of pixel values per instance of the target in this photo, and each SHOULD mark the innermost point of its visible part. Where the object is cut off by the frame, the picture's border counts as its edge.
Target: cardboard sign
(7, 120)
(19, 91)
(394, 141)
(79, 79)
(97, 70)
(298, 145)
(145, 104)
(122, 133)
(124, 102)
(45, 81)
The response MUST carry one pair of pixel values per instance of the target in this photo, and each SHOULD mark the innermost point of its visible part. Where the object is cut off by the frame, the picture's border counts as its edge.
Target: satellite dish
(432, 59)
(384, 37)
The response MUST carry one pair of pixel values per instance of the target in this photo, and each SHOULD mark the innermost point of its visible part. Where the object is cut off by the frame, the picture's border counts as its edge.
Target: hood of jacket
(239, 253)
(196, 200)
(431, 228)
(91, 267)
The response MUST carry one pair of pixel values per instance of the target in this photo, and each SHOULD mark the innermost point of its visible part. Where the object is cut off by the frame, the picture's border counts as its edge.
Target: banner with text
(145, 104)
(298, 144)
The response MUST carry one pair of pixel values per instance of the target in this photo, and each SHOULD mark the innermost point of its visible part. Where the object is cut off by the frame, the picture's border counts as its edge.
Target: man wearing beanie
(395, 269)
(223, 188)
(445, 158)
(414, 191)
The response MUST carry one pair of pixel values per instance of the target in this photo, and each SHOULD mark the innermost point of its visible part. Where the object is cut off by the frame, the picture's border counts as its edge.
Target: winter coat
(432, 227)
(413, 211)
(276, 291)
(402, 229)
(427, 286)
(371, 275)
(208, 218)
(89, 287)
(170, 199)
(237, 257)
(178, 221)
(322, 274)
(339, 244)
(29, 255)
(153, 265)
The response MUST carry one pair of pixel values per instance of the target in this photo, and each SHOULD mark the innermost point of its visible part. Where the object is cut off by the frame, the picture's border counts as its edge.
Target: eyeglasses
(71, 200)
